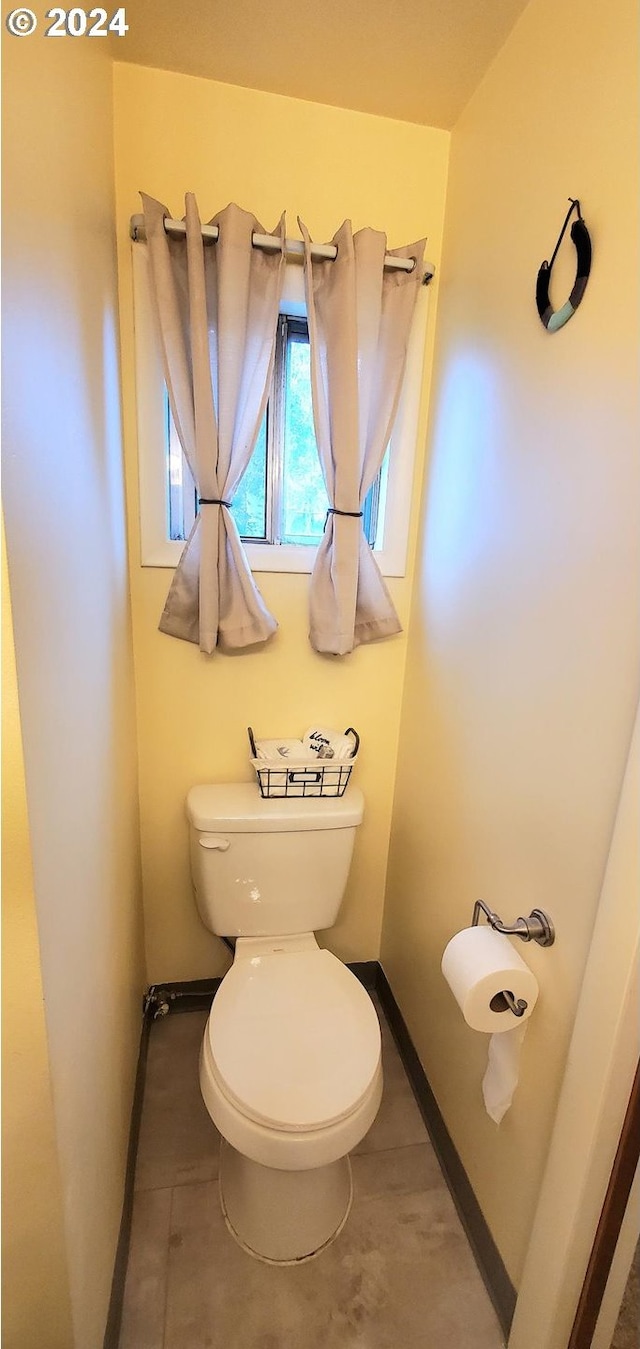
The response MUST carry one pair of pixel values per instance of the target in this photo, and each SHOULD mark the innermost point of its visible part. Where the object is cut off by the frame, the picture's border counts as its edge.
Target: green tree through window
(282, 498)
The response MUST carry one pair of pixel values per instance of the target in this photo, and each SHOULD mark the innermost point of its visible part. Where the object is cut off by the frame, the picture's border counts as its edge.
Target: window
(281, 503)
(282, 498)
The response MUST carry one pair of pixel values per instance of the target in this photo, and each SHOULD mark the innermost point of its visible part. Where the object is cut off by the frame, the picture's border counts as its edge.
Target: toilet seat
(293, 1039)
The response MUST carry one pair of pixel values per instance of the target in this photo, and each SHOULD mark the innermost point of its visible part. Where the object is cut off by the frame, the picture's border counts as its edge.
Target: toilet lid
(295, 1039)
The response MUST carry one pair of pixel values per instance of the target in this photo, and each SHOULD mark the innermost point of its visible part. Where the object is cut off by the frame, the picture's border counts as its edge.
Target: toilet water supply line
(157, 999)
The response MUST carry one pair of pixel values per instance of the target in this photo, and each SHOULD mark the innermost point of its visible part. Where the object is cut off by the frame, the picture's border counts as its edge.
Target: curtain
(217, 311)
(359, 319)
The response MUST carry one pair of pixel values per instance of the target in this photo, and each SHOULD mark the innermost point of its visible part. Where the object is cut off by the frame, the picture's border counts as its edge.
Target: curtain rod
(177, 229)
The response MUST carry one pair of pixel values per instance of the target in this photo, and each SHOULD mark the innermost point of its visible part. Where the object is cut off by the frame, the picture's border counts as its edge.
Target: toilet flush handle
(214, 841)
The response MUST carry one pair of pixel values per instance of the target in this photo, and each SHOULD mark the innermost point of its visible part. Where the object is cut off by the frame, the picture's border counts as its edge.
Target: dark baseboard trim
(114, 1314)
(192, 996)
(197, 995)
(366, 971)
(498, 1284)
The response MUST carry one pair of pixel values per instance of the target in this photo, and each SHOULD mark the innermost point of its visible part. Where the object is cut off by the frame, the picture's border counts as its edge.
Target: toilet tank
(269, 867)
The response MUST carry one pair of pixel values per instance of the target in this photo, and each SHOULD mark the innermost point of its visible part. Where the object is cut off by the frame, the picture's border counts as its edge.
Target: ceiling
(418, 60)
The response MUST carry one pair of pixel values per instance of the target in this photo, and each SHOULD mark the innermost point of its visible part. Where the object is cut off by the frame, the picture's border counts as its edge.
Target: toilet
(290, 1064)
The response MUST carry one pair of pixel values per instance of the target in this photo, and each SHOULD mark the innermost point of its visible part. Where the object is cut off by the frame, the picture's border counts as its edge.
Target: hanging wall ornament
(553, 319)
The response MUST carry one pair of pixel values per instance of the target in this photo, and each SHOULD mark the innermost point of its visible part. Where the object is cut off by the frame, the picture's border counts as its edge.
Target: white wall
(63, 496)
(596, 1088)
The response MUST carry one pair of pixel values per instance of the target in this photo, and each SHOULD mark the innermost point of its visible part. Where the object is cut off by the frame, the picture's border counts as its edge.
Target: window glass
(179, 480)
(304, 496)
(281, 498)
(250, 499)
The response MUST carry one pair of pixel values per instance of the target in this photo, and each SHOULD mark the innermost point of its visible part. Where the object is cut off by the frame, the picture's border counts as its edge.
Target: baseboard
(498, 1284)
(194, 995)
(197, 995)
(114, 1314)
(366, 971)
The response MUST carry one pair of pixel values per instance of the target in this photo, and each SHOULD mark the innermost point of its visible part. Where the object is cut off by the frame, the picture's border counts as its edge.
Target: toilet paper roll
(478, 965)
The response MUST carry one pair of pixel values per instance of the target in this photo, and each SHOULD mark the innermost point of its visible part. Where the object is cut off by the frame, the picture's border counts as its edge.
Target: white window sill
(273, 557)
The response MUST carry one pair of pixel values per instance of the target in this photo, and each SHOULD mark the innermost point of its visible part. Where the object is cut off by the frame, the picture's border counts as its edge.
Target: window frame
(291, 329)
(157, 550)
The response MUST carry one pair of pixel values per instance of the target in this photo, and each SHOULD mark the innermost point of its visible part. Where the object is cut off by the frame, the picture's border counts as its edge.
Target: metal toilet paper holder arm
(537, 927)
(508, 1003)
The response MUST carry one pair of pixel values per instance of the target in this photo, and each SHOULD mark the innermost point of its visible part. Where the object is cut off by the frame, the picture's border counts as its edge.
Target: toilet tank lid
(238, 808)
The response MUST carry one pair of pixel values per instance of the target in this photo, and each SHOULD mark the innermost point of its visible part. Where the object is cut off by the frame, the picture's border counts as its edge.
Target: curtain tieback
(333, 510)
(213, 501)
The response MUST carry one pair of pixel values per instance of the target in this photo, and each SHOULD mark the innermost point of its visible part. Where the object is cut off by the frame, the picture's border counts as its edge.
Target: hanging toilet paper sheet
(479, 964)
(503, 1070)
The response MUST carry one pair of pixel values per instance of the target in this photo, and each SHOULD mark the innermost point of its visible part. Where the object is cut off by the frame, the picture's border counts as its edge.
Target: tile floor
(627, 1332)
(400, 1275)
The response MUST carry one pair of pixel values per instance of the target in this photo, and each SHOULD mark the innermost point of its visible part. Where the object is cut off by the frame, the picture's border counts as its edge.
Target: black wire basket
(326, 778)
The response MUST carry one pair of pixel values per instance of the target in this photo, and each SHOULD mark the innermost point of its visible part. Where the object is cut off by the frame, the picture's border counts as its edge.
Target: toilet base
(283, 1217)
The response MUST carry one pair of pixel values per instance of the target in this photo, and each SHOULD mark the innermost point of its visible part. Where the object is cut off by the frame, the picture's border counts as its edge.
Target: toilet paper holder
(537, 927)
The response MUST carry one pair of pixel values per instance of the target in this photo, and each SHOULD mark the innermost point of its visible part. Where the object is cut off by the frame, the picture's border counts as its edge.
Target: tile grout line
(211, 1180)
(179, 1185)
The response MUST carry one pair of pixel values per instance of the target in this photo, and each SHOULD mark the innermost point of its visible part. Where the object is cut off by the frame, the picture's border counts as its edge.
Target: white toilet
(290, 1066)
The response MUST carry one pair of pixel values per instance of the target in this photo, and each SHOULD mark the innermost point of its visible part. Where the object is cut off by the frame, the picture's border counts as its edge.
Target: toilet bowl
(290, 1065)
(290, 1072)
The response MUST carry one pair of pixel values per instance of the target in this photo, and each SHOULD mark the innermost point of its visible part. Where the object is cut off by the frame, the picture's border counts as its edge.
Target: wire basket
(327, 778)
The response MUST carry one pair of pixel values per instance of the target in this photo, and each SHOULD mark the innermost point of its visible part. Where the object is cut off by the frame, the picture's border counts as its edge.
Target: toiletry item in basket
(327, 744)
(282, 749)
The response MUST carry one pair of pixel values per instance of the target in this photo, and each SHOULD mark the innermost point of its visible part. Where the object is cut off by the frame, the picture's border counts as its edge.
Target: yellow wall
(176, 133)
(35, 1287)
(523, 653)
(63, 497)
(522, 660)
(596, 1088)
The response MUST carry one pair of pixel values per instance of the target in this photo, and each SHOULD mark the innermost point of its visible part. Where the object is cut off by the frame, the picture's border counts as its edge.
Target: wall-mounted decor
(553, 319)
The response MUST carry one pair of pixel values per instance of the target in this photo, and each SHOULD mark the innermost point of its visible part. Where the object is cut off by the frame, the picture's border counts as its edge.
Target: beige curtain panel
(217, 311)
(359, 322)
